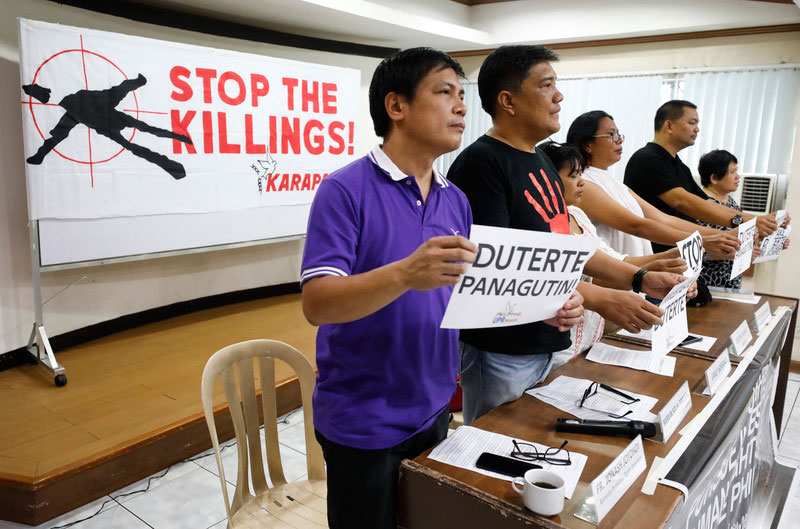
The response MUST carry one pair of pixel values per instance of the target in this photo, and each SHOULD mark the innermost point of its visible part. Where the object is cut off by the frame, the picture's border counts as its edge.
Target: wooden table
(436, 495)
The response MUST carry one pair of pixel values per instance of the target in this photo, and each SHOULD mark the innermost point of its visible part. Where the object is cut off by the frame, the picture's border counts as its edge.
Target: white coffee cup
(544, 500)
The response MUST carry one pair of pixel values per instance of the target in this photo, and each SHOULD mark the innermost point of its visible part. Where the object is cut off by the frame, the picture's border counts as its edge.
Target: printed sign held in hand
(518, 276)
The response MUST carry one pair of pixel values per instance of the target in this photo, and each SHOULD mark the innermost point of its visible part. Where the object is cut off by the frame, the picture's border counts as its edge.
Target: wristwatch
(736, 220)
(637, 280)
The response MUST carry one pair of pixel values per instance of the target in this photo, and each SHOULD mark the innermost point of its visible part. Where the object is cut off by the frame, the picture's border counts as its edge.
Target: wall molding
(669, 37)
(172, 18)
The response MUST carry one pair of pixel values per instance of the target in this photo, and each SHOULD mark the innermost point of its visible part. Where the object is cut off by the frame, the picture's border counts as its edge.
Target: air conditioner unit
(757, 193)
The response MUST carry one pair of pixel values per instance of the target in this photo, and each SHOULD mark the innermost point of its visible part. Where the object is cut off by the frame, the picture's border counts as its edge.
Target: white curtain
(477, 123)
(750, 113)
(632, 100)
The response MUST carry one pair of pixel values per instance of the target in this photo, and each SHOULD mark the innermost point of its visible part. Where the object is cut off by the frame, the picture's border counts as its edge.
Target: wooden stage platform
(131, 407)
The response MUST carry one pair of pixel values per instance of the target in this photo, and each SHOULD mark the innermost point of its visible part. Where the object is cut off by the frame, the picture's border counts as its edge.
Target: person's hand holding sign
(721, 245)
(766, 224)
(628, 310)
(438, 262)
(570, 314)
(692, 292)
(671, 262)
(658, 284)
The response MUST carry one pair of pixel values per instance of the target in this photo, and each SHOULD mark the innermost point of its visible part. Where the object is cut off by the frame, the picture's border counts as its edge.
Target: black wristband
(637, 280)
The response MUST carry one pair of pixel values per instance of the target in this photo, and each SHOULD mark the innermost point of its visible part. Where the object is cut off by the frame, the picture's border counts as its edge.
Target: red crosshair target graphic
(49, 62)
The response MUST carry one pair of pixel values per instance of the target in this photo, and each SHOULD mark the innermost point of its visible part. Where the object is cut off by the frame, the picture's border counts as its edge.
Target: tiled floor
(188, 495)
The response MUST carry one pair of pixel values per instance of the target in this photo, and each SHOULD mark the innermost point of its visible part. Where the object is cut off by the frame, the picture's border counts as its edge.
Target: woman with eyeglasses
(624, 220)
(570, 165)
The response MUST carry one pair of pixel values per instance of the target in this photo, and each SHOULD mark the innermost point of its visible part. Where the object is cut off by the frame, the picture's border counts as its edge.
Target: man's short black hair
(583, 129)
(714, 163)
(401, 73)
(563, 155)
(506, 69)
(671, 111)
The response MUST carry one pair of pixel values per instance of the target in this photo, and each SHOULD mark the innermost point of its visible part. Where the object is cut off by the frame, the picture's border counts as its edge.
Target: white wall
(115, 290)
(779, 278)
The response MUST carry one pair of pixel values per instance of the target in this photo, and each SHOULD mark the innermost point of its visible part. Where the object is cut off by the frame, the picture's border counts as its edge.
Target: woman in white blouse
(570, 165)
(624, 220)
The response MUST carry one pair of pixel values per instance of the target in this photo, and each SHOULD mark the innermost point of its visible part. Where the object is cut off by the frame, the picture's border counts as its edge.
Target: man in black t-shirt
(657, 174)
(510, 184)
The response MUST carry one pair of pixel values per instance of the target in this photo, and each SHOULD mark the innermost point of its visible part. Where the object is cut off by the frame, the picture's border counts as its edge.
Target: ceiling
(458, 25)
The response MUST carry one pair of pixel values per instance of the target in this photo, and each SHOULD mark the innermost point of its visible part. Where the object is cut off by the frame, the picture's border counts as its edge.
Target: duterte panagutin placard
(518, 277)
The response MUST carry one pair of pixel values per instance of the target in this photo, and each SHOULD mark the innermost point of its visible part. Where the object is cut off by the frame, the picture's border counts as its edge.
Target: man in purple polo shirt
(386, 242)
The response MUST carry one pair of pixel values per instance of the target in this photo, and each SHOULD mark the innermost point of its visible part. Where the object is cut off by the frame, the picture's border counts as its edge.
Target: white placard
(691, 249)
(763, 316)
(519, 276)
(120, 126)
(741, 261)
(674, 327)
(772, 245)
(717, 372)
(674, 411)
(741, 337)
(617, 478)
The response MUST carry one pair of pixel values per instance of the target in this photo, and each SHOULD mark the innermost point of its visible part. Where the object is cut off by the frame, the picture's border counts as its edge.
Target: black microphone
(619, 428)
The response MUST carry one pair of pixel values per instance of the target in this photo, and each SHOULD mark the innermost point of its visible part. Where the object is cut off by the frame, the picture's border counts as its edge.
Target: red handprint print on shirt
(556, 214)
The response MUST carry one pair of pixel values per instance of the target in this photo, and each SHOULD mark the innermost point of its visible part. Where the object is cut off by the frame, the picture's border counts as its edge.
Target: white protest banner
(674, 327)
(519, 276)
(763, 315)
(741, 261)
(717, 372)
(673, 412)
(772, 244)
(741, 337)
(691, 249)
(116, 125)
(616, 479)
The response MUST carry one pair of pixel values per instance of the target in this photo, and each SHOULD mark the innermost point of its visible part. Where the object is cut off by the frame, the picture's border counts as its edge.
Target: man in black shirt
(509, 183)
(657, 174)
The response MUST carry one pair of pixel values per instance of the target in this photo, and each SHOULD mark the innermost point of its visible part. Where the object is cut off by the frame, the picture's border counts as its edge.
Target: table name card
(673, 413)
(718, 372)
(617, 478)
(763, 316)
(741, 338)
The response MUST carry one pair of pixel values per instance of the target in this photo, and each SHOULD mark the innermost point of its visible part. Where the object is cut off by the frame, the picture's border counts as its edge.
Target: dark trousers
(362, 484)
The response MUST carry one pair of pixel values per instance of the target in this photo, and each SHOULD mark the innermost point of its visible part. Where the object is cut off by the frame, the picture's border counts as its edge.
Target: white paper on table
(565, 393)
(644, 334)
(603, 353)
(519, 276)
(464, 446)
(703, 345)
(741, 261)
(691, 249)
(674, 326)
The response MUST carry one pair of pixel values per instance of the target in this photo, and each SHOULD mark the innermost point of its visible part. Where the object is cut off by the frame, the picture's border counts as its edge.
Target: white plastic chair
(300, 504)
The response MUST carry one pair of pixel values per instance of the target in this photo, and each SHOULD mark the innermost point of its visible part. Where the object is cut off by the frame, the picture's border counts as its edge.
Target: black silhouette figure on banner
(96, 109)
